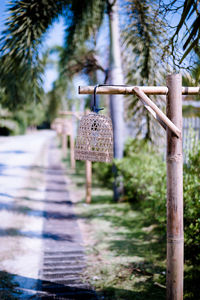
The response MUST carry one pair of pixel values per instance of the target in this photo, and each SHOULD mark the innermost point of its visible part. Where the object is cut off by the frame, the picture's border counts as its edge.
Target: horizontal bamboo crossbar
(128, 90)
(71, 113)
(159, 115)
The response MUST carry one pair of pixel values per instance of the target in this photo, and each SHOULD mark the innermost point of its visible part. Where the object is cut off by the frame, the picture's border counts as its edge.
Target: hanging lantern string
(96, 109)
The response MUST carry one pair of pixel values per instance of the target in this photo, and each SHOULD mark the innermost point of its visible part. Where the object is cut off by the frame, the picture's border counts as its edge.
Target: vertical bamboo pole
(88, 171)
(72, 151)
(64, 144)
(174, 158)
(88, 176)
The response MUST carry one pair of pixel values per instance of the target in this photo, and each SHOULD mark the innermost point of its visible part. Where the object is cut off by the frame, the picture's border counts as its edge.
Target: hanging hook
(95, 108)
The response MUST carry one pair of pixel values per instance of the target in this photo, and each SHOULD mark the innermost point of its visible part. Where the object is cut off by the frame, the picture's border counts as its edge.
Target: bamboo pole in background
(88, 176)
(64, 144)
(174, 159)
(72, 160)
(88, 171)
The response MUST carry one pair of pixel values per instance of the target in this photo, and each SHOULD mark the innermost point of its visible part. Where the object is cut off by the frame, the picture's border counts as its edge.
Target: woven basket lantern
(56, 125)
(95, 138)
(59, 128)
(67, 127)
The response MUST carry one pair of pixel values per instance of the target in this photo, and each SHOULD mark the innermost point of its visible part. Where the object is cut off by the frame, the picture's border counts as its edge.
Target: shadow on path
(39, 289)
(31, 234)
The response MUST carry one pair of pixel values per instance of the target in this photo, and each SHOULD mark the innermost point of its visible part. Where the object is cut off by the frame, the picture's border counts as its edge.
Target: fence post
(175, 239)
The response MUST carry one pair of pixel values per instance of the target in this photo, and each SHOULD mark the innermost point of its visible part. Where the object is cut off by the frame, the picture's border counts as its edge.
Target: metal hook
(95, 108)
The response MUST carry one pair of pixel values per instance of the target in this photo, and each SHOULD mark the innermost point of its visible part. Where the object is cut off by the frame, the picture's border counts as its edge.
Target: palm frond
(191, 33)
(143, 39)
(21, 66)
(27, 22)
(86, 18)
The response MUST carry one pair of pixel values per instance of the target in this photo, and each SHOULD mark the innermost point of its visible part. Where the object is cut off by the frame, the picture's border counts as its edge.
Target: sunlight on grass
(125, 260)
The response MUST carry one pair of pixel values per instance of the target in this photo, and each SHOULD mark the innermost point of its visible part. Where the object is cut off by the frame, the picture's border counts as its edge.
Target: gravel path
(40, 241)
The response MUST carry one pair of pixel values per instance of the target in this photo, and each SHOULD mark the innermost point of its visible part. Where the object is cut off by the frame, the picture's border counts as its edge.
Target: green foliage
(21, 66)
(32, 115)
(17, 121)
(103, 175)
(26, 24)
(144, 178)
(86, 18)
(192, 207)
(144, 174)
(143, 37)
(145, 181)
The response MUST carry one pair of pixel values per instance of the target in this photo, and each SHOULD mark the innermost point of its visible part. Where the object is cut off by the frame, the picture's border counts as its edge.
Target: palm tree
(116, 101)
(143, 38)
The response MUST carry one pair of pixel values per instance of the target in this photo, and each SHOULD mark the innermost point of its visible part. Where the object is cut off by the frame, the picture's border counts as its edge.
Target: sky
(2, 13)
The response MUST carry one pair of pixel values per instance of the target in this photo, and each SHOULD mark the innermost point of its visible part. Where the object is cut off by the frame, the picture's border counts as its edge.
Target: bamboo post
(88, 169)
(72, 160)
(175, 237)
(88, 176)
(59, 133)
(64, 144)
(174, 158)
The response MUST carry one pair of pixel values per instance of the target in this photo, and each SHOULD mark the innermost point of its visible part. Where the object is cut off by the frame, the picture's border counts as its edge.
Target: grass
(126, 255)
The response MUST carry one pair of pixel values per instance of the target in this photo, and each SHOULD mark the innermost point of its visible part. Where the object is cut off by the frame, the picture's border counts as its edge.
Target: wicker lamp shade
(59, 128)
(67, 127)
(57, 125)
(95, 138)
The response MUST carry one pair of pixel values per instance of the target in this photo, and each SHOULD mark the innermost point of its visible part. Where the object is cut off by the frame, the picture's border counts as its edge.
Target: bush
(192, 207)
(144, 174)
(144, 178)
(103, 174)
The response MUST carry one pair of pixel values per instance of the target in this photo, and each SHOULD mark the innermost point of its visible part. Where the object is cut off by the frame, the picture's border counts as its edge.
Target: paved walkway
(40, 241)
(63, 260)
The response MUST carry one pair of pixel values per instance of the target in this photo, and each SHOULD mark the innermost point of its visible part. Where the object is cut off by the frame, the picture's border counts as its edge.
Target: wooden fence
(191, 135)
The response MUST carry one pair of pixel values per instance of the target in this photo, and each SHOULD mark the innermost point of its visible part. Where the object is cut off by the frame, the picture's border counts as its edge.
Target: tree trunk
(116, 101)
